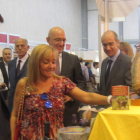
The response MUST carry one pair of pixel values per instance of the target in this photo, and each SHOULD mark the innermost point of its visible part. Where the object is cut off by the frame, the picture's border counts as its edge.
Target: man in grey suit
(116, 68)
(69, 66)
(17, 67)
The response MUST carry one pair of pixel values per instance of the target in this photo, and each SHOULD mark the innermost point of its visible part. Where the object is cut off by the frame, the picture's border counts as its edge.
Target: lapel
(3, 69)
(13, 68)
(115, 68)
(104, 71)
(24, 68)
(4, 72)
(65, 62)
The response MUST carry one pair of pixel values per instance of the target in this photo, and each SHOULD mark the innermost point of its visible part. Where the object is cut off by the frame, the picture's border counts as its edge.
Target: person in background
(4, 76)
(4, 113)
(17, 67)
(44, 96)
(91, 84)
(116, 68)
(96, 73)
(67, 65)
(84, 71)
(126, 48)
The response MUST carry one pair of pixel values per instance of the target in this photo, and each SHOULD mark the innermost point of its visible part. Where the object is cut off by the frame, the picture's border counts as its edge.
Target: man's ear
(28, 47)
(48, 39)
(118, 41)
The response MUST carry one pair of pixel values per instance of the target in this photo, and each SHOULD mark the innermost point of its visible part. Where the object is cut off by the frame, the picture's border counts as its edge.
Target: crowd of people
(49, 84)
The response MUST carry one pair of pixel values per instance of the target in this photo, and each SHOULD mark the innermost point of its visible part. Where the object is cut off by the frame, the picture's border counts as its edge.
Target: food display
(73, 133)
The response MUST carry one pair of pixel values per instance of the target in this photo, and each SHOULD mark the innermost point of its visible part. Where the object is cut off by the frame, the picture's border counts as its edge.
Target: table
(117, 125)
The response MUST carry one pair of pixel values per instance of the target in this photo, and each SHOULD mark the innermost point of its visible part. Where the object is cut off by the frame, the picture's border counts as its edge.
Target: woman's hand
(67, 99)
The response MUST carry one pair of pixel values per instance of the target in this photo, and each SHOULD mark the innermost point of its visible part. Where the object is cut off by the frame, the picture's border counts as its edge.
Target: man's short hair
(95, 63)
(6, 49)
(80, 59)
(22, 39)
(87, 63)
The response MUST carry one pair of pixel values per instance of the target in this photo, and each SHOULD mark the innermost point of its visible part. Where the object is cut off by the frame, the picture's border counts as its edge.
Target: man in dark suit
(4, 115)
(4, 78)
(17, 67)
(69, 66)
(116, 68)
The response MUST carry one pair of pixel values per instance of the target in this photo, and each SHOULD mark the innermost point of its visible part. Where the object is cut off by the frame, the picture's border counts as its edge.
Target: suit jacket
(4, 73)
(4, 120)
(120, 74)
(6, 79)
(14, 80)
(71, 69)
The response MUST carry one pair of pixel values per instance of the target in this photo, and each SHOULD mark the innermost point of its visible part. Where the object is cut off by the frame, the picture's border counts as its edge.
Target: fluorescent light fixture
(116, 19)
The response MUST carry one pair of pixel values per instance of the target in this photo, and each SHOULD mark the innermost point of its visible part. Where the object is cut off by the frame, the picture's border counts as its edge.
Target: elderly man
(67, 65)
(6, 54)
(17, 67)
(116, 68)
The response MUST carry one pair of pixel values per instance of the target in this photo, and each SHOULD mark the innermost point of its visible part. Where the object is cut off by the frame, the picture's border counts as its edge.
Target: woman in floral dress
(44, 96)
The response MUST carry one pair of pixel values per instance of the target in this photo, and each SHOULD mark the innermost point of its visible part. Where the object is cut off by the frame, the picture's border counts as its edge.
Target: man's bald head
(110, 43)
(57, 38)
(108, 33)
(53, 31)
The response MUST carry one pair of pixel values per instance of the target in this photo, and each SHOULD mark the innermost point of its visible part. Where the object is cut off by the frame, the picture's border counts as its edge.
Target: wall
(92, 25)
(32, 19)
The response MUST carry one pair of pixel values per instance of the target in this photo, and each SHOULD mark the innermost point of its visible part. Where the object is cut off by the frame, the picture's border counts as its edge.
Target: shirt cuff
(109, 99)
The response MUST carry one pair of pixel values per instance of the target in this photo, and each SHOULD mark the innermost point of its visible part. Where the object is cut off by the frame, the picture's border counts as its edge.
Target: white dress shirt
(23, 60)
(96, 72)
(114, 59)
(1, 76)
(60, 61)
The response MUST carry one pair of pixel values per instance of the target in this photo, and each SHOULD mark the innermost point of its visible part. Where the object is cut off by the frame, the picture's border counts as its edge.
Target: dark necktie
(18, 68)
(57, 70)
(108, 70)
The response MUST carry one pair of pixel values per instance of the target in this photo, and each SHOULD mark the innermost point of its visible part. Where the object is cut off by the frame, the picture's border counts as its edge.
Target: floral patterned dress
(35, 112)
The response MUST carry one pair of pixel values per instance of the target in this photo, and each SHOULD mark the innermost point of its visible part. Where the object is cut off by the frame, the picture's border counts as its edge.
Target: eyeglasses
(48, 103)
(109, 44)
(59, 40)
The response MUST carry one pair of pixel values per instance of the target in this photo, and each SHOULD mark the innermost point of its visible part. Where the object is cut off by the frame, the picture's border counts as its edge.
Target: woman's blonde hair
(33, 70)
(126, 47)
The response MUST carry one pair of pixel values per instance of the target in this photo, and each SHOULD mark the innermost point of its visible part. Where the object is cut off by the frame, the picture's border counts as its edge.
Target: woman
(44, 98)
(126, 49)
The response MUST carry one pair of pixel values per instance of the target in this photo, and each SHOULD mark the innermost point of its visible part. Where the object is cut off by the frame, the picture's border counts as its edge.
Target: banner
(3, 38)
(68, 46)
(13, 38)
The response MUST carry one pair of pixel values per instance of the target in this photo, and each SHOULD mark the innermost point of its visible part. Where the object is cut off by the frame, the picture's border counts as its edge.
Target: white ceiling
(118, 8)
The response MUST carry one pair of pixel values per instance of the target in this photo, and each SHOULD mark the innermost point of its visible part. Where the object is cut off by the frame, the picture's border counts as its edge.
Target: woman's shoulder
(62, 79)
(22, 81)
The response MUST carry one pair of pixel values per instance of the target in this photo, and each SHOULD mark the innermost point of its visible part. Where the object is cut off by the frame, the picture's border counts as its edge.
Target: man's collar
(115, 56)
(23, 58)
(5, 63)
(60, 54)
